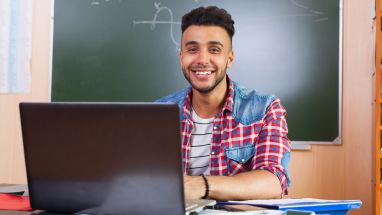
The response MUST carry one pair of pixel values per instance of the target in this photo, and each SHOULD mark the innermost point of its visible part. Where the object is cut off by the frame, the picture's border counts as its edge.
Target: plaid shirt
(239, 147)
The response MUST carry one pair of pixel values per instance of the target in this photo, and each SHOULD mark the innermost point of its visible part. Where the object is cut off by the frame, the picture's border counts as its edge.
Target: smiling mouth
(203, 71)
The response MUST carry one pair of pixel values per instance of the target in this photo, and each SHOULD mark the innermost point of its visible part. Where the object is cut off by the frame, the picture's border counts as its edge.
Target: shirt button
(212, 153)
(242, 160)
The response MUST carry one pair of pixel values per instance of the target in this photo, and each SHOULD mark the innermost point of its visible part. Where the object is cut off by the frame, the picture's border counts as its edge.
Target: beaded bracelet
(207, 187)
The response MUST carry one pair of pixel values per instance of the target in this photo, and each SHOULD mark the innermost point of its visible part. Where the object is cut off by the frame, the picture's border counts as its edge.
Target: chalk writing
(98, 2)
(94, 3)
(319, 15)
(154, 21)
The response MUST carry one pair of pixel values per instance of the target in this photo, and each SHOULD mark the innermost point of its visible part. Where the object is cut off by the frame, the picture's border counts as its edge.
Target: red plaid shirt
(268, 136)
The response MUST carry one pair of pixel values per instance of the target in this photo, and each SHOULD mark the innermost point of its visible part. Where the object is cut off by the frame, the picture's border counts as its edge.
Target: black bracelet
(207, 187)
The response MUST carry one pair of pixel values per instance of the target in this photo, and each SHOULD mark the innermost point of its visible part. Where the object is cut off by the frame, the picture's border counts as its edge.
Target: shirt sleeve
(273, 146)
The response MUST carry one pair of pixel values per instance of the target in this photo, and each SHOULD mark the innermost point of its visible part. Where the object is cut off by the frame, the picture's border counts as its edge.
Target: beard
(209, 88)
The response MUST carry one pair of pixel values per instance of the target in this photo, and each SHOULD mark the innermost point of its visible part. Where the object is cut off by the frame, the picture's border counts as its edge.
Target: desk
(37, 212)
(241, 207)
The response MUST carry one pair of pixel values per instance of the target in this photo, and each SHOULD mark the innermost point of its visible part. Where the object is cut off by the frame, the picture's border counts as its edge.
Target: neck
(208, 104)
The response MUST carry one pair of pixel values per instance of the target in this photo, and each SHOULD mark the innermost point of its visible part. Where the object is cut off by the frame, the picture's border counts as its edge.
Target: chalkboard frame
(306, 144)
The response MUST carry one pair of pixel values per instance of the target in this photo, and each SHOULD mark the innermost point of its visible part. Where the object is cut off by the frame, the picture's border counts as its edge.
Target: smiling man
(234, 140)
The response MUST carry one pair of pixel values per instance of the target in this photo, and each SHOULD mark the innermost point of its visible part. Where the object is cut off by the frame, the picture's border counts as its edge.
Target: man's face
(205, 55)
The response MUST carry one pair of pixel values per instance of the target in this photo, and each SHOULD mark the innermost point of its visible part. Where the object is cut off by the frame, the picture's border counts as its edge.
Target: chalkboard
(127, 50)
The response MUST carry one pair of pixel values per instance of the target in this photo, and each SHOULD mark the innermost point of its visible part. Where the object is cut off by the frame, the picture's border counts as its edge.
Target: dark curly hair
(209, 16)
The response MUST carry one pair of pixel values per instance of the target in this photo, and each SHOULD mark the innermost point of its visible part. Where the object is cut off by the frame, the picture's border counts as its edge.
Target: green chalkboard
(127, 50)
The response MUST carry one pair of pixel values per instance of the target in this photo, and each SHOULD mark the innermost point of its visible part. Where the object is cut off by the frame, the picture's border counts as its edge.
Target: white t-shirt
(201, 138)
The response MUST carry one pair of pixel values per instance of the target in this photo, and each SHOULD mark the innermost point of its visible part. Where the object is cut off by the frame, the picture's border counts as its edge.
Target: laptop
(104, 158)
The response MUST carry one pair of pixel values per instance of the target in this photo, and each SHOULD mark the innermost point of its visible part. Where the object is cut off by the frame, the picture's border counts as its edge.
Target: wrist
(206, 186)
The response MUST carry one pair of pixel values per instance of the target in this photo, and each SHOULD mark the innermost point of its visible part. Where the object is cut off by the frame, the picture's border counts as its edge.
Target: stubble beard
(205, 90)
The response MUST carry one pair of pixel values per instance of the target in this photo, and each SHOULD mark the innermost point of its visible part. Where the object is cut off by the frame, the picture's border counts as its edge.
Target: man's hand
(194, 187)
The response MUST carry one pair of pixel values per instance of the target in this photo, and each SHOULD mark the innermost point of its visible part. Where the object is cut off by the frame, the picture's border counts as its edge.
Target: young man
(234, 140)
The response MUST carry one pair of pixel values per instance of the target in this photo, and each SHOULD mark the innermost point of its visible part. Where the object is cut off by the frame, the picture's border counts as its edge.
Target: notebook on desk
(109, 158)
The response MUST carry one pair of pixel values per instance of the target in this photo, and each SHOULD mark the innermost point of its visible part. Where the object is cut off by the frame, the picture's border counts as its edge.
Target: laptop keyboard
(190, 206)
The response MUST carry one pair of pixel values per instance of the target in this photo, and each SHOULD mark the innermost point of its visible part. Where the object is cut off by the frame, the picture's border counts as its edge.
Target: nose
(203, 57)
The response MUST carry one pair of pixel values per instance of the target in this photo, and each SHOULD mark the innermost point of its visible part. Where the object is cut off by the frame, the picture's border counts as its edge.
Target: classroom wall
(346, 171)
(326, 171)
(12, 167)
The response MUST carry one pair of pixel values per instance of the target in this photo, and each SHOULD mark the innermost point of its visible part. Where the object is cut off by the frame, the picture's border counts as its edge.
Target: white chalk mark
(94, 3)
(317, 12)
(320, 16)
(298, 5)
(297, 15)
(154, 21)
(98, 2)
(322, 19)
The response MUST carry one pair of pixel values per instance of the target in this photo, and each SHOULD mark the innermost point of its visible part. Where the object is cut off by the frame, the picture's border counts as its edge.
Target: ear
(231, 58)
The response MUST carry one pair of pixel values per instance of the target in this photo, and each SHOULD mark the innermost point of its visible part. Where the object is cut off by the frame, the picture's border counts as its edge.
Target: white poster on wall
(15, 45)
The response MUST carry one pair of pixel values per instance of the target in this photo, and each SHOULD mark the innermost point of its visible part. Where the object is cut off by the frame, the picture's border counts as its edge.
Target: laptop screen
(103, 156)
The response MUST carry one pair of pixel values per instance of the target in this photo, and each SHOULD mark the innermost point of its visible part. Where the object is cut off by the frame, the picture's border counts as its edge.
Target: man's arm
(268, 177)
(256, 184)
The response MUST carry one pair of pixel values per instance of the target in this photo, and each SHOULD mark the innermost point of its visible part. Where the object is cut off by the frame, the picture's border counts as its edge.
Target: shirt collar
(228, 104)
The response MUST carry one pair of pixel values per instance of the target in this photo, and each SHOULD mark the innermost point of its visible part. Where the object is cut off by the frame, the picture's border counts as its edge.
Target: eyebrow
(209, 43)
(216, 43)
(190, 43)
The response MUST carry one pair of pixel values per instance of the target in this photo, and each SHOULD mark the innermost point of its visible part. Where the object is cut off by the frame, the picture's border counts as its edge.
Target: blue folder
(319, 206)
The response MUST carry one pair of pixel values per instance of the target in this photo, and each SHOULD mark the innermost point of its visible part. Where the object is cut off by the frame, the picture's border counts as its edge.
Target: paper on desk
(12, 202)
(281, 201)
(260, 212)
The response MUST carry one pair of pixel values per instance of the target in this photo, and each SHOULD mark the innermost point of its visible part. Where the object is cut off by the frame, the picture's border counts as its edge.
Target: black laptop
(103, 158)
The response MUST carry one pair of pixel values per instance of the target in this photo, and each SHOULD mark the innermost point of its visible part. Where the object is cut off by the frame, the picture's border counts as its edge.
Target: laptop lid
(114, 158)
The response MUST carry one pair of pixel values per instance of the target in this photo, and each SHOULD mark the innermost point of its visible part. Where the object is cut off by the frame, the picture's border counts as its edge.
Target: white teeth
(203, 73)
